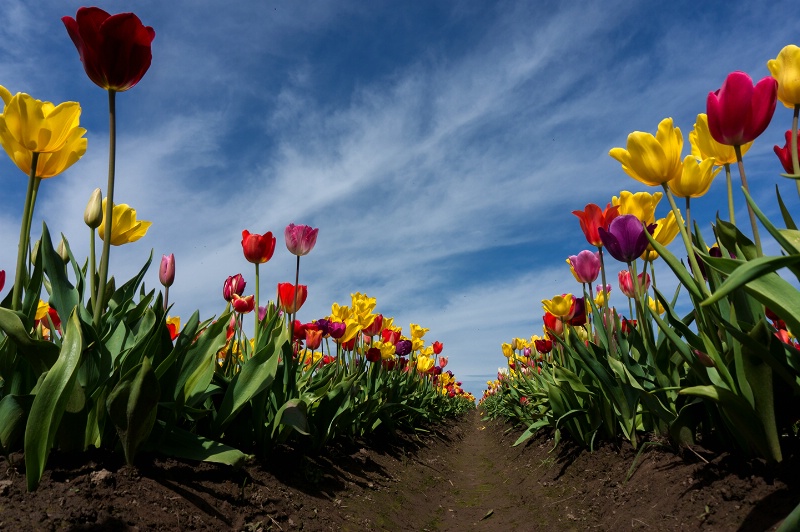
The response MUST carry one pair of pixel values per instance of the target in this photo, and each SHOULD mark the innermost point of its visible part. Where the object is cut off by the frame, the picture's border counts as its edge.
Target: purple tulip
(586, 265)
(403, 348)
(625, 239)
(336, 329)
(166, 272)
(324, 326)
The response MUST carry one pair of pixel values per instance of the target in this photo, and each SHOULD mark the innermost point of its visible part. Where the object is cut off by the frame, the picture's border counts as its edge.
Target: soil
(464, 475)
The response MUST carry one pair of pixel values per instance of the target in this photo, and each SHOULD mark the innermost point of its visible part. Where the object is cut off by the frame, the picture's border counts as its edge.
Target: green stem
(92, 273)
(607, 307)
(255, 335)
(112, 154)
(25, 234)
(698, 276)
(756, 237)
(688, 216)
(729, 182)
(294, 302)
(795, 160)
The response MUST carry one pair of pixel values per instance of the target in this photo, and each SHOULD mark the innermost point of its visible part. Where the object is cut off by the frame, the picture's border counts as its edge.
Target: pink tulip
(626, 283)
(166, 272)
(739, 112)
(300, 239)
(586, 265)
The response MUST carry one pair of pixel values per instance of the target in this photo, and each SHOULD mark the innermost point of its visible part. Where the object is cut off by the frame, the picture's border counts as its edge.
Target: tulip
(313, 338)
(443, 361)
(114, 49)
(2, 279)
(738, 112)
(704, 146)
(336, 329)
(437, 348)
(125, 228)
(552, 323)
(173, 326)
(35, 126)
(577, 312)
(641, 204)
(375, 327)
(626, 238)
(652, 160)
(290, 300)
(257, 249)
(390, 336)
(544, 345)
(786, 70)
(601, 299)
(243, 305)
(696, 178)
(300, 239)
(424, 364)
(655, 305)
(373, 354)
(559, 306)
(628, 325)
(586, 266)
(626, 283)
(665, 232)
(166, 272)
(233, 285)
(703, 358)
(785, 153)
(403, 348)
(93, 214)
(48, 164)
(592, 218)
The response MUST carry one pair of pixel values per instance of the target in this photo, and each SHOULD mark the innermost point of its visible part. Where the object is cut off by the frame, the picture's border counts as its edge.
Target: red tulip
(543, 346)
(437, 347)
(738, 112)
(243, 305)
(592, 218)
(286, 297)
(390, 336)
(258, 249)
(554, 323)
(374, 354)
(374, 327)
(114, 49)
(626, 283)
(2, 279)
(313, 338)
(233, 285)
(785, 154)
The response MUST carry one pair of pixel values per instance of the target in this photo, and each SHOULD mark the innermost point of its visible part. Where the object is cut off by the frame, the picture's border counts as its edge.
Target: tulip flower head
(233, 285)
(166, 271)
(626, 283)
(785, 153)
(704, 146)
(601, 299)
(114, 49)
(93, 214)
(786, 70)
(313, 338)
(738, 112)
(243, 305)
(437, 349)
(2, 279)
(300, 239)
(289, 302)
(258, 249)
(652, 160)
(696, 178)
(585, 266)
(626, 238)
(641, 204)
(173, 326)
(552, 323)
(125, 228)
(665, 232)
(592, 218)
(559, 306)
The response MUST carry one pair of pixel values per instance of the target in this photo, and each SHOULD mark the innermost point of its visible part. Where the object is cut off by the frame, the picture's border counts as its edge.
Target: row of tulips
(727, 371)
(98, 365)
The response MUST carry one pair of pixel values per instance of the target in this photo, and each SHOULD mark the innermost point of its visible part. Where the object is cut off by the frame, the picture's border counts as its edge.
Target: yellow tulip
(642, 204)
(125, 228)
(666, 231)
(649, 159)
(704, 146)
(655, 305)
(387, 349)
(786, 70)
(424, 364)
(696, 178)
(559, 306)
(340, 313)
(600, 299)
(417, 331)
(41, 310)
(508, 351)
(36, 125)
(49, 164)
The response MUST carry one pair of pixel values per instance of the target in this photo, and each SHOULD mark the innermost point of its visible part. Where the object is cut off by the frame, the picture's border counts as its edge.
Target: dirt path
(463, 476)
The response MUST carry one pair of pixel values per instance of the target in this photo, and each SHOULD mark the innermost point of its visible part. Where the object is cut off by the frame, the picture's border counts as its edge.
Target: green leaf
(787, 218)
(13, 415)
(740, 273)
(181, 443)
(199, 362)
(41, 354)
(132, 407)
(64, 297)
(50, 401)
(294, 414)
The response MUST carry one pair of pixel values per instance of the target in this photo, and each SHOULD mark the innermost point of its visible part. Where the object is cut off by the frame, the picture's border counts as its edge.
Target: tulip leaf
(741, 273)
(734, 241)
(197, 369)
(132, 407)
(787, 218)
(681, 273)
(181, 443)
(64, 297)
(50, 401)
(40, 354)
(13, 415)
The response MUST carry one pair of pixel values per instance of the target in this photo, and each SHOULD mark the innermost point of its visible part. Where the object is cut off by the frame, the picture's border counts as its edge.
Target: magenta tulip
(300, 239)
(233, 285)
(785, 154)
(626, 238)
(586, 265)
(739, 112)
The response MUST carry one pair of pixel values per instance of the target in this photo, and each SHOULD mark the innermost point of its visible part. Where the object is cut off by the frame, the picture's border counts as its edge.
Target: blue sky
(440, 147)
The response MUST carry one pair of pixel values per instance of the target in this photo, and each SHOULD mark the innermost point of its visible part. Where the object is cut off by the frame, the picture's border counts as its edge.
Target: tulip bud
(166, 273)
(62, 251)
(93, 215)
(35, 252)
(2, 279)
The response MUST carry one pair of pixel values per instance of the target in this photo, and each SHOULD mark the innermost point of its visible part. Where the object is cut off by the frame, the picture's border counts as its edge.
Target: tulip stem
(756, 237)
(795, 159)
(92, 273)
(24, 234)
(609, 327)
(698, 276)
(255, 335)
(729, 182)
(689, 217)
(294, 303)
(104, 257)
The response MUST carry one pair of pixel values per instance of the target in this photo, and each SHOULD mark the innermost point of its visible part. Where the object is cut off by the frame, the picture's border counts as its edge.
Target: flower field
(258, 420)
